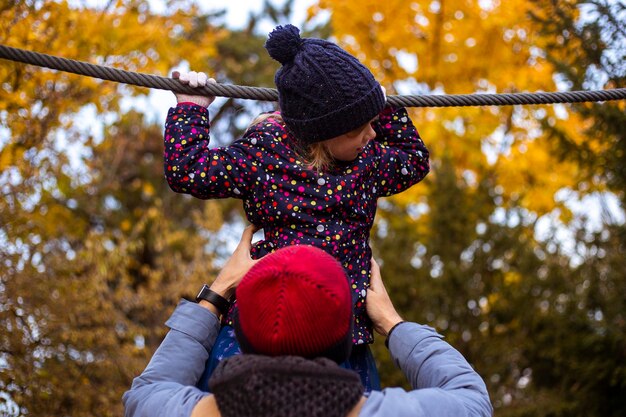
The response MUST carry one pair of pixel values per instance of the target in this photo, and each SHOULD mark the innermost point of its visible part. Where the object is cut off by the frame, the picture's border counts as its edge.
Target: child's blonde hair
(315, 155)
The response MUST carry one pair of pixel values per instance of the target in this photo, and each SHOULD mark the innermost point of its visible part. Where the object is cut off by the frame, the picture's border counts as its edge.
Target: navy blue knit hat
(323, 91)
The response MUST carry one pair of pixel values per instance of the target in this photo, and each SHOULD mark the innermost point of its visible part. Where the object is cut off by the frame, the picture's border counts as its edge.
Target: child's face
(349, 146)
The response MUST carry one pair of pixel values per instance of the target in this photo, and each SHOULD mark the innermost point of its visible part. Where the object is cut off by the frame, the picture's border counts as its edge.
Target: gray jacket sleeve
(167, 386)
(444, 383)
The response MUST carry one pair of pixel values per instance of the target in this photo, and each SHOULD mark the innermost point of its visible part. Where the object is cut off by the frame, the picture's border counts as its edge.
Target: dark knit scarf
(285, 386)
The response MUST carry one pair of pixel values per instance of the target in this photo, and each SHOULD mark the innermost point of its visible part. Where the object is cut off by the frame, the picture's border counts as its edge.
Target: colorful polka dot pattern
(295, 205)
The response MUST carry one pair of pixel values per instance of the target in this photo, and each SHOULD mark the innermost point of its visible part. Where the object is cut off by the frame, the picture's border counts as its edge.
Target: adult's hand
(237, 265)
(193, 79)
(378, 304)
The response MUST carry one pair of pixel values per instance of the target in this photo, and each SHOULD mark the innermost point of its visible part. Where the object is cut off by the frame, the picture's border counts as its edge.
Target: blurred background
(514, 247)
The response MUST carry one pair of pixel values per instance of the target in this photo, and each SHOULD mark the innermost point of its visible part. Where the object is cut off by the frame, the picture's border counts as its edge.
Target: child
(309, 174)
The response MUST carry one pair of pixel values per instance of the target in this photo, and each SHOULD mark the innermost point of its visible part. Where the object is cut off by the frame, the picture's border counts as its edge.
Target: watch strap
(221, 303)
(391, 331)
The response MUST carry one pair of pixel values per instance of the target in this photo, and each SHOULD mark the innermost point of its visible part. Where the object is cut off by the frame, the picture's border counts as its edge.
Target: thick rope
(270, 94)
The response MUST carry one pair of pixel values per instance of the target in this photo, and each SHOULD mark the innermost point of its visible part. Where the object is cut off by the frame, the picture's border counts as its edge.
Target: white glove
(193, 79)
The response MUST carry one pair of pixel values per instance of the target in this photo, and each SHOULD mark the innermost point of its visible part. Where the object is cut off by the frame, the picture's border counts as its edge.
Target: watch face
(204, 287)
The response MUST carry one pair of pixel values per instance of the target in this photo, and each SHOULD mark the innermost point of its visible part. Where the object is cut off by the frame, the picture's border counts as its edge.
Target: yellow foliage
(9, 155)
(512, 278)
(125, 225)
(529, 174)
(147, 189)
(459, 48)
(125, 35)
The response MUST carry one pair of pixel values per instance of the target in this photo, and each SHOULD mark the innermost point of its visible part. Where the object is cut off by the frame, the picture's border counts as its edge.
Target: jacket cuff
(189, 105)
(391, 331)
(195, 321)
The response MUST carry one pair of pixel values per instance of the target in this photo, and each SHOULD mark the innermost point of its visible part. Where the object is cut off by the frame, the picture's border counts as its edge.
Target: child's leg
(362, 361)
(225, 346)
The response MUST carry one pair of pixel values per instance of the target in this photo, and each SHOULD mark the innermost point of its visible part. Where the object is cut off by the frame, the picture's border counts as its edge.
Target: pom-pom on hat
(295, 301)
(323, 91)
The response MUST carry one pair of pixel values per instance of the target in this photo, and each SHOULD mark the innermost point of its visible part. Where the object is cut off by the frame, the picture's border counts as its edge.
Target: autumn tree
(463, 249)
(95, 249)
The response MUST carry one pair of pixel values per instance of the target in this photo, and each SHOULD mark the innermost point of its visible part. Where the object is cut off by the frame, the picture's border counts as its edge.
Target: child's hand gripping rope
(193, 79)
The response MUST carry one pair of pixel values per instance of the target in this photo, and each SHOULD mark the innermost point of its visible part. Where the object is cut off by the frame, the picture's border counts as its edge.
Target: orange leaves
(9, 156)
(456, 44)
(466, 47)
(85, 217)
(530, 177)
(125, 35)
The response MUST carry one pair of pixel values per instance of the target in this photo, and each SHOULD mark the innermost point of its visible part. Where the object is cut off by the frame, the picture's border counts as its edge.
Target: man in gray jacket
(293, 325)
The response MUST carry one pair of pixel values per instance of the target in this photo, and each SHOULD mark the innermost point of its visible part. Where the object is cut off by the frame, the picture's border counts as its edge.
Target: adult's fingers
(246, 238)
(376, 280)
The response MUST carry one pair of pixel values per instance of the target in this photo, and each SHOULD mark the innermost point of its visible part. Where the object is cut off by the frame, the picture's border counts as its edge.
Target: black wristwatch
(222, 304)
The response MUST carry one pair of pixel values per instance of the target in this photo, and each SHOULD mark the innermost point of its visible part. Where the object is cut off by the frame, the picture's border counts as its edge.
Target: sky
(237, 11)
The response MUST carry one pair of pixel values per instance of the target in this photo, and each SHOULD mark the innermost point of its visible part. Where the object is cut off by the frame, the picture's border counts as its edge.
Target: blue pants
(361, 360)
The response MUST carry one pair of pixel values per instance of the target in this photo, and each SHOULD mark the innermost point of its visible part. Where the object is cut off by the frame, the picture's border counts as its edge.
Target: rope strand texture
(270, 94)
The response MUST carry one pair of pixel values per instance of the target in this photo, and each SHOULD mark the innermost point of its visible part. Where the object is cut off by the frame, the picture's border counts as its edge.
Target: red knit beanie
(295, 301)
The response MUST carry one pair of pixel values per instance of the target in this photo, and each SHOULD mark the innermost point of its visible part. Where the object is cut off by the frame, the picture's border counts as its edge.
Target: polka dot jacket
(294, 204)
